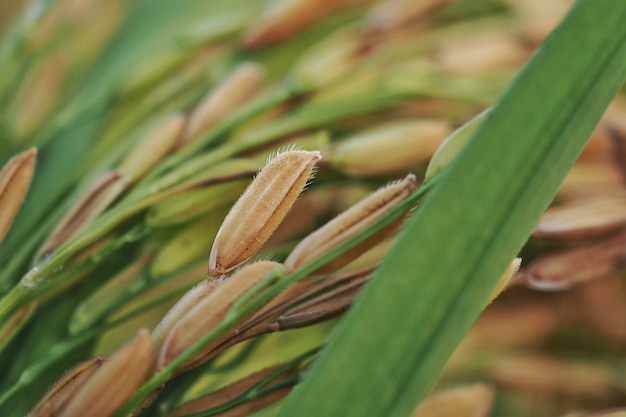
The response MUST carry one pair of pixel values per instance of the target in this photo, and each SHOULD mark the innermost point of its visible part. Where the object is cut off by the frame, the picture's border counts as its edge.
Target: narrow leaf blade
(390, 349)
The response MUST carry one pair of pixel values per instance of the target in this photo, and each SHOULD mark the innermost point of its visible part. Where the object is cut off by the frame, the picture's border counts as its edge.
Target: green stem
(11, 301)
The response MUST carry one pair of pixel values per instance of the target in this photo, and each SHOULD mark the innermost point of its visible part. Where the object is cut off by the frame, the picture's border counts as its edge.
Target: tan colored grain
(15, 180)
(465, 401)
(231, 93)
(151, 148)
(284, 18)
(481, 52)
(102, 192)
(391, 14)
(65, 388)
(208, 312)
(583, 218)
(506, 278)
(261, 208)
(114, 382)
(393, 147)
(349, 223)
(562, 270)
(39, 93)
(186, 303)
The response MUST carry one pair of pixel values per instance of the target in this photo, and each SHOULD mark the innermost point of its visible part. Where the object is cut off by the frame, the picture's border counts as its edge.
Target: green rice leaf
(392, 346)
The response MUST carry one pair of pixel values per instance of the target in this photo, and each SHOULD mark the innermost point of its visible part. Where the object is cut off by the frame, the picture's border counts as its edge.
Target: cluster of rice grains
(155, 169)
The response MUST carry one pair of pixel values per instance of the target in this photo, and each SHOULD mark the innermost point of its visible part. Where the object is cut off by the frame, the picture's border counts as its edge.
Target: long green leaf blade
(390, 349)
